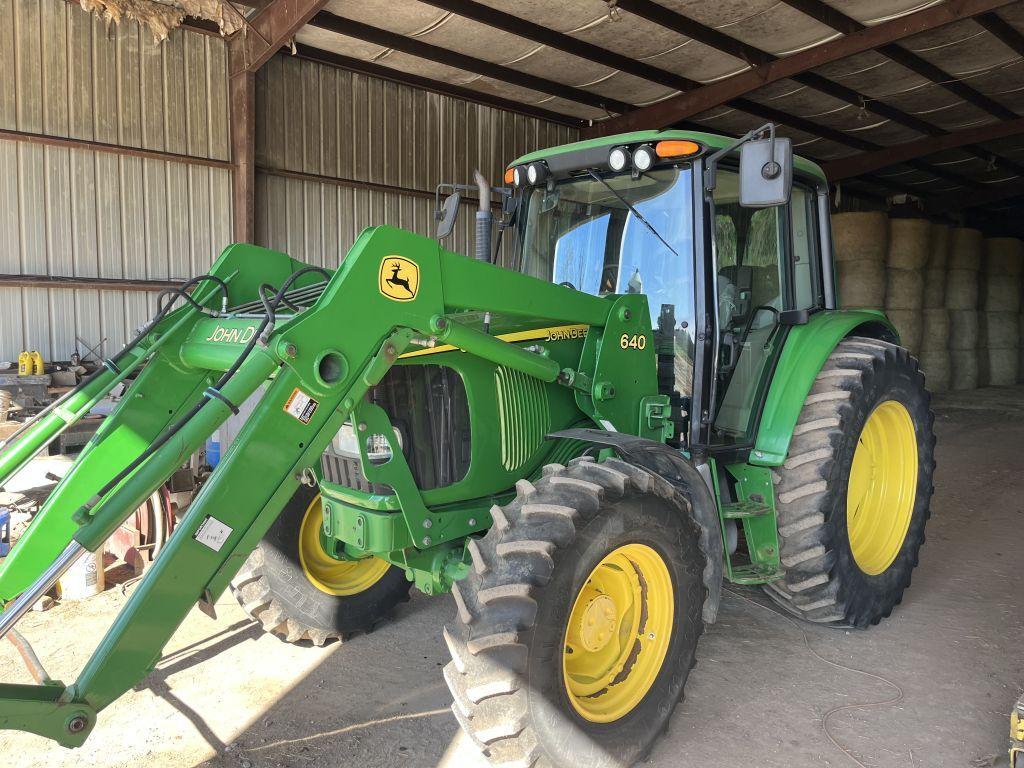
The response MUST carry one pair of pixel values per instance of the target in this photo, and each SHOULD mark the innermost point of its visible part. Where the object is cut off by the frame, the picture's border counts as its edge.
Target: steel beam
(373, 69)
(1007, 35)
(993, 193)
(559, 41)
(248, 50)
(242, 100)
(413, 47)
(253, 45)
(840, 22)
(856, 41)
(856, 165)
(7, 134)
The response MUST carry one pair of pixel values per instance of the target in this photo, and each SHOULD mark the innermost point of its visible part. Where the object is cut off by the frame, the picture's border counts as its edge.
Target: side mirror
(447, 214)
(766, 172)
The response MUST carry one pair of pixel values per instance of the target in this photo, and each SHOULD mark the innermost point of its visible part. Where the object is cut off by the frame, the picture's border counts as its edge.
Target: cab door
(766, 263)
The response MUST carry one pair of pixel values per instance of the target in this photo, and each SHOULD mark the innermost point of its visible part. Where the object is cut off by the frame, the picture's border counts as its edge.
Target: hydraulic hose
(270, 305)
(111, 363)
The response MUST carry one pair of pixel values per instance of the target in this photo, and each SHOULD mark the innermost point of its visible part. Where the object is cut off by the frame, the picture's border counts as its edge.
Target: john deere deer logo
(399, 279)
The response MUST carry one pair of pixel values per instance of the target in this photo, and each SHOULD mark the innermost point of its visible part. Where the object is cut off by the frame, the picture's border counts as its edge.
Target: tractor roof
(711, 140)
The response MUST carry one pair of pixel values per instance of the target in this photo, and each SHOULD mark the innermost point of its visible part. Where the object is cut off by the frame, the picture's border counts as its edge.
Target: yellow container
(37, 363)
(25, 364)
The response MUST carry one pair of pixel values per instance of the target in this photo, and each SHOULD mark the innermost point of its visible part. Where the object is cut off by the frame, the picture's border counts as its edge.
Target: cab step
(739, 510)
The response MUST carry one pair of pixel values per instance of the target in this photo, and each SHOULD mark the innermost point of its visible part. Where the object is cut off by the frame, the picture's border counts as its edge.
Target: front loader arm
(320, 364)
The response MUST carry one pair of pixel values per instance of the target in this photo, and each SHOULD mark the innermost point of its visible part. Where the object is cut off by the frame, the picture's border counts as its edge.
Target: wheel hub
(599, 620)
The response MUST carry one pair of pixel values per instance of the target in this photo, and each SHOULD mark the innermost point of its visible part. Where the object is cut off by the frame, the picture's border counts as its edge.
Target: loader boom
(395, 292)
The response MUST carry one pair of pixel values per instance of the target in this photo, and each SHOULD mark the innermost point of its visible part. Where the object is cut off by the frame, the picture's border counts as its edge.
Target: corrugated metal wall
(81, 213)
(316, 119)
(321, 133)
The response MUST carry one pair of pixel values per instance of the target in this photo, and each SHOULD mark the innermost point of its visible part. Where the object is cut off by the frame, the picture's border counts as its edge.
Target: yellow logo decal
(399, 279)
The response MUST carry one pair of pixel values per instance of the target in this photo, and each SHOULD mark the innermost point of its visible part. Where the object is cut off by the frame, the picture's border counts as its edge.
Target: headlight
(618, 158)
(643, 157)
(536, 172)
(518, 176)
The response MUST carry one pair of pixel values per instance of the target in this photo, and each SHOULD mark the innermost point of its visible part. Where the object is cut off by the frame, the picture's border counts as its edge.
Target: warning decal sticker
(213, 533)
(300, 405)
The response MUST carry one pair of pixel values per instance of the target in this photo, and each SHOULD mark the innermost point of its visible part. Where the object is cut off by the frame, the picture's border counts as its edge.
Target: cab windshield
(580, 233)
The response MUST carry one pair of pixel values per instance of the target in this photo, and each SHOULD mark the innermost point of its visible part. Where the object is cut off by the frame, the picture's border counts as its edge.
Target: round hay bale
(934, 288)
(937, 368)
(963, 365)
(1001, 293)
(998, 367)
(909, 325)
(998, 330)
(861, 283)
(935, 333)
(961, 289)
(965, 248)
(861, 236)
(963, 329)
(938, 247)
(909, 240)
(1004, 256)
(904, 289)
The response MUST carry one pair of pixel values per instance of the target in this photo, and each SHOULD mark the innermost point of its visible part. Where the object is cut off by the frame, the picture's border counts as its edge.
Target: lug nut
(428, 524)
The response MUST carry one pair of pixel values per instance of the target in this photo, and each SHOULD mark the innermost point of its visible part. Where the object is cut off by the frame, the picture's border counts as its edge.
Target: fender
(680, 471)
(806, 349)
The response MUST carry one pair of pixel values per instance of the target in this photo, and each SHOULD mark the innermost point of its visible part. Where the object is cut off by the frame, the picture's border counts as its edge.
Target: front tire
(296, 591)
(853, 496)
(578, 623)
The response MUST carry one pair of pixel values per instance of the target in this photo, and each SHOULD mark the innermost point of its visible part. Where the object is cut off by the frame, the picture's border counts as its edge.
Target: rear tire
(517, 695)
(829, 577)
(273, 586)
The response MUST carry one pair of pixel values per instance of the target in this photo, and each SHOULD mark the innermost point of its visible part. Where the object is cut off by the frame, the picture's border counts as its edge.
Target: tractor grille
(428, 407)
(523, 416)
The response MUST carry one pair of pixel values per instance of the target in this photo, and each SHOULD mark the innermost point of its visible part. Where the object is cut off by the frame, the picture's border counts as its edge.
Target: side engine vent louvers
(523, 416)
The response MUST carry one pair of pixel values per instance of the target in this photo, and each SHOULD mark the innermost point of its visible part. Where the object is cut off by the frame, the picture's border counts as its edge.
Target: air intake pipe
(483, 218)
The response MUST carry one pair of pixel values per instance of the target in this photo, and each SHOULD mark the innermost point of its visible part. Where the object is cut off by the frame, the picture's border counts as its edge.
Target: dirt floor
(937, 684)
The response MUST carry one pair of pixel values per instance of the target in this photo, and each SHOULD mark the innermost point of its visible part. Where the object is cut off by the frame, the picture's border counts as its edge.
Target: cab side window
(767, 262)
(807, 292)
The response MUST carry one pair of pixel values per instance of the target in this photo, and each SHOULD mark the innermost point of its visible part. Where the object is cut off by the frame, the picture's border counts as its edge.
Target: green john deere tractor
(662, 395)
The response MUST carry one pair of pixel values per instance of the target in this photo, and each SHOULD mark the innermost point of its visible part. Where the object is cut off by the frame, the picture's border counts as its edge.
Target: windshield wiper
(633, 210)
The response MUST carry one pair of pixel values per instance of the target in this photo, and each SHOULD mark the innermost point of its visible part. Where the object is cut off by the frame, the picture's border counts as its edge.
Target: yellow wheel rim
(882, 487)
(335, 577)
(618, 633)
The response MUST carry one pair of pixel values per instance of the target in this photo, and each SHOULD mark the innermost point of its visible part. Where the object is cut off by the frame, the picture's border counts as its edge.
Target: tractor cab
(727, 246)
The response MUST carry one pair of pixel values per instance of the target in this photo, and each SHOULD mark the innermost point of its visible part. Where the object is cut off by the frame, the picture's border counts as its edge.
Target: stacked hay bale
(1000, 299)
(965, 249)
(934, 355)
(860, 241)
(909, 241)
